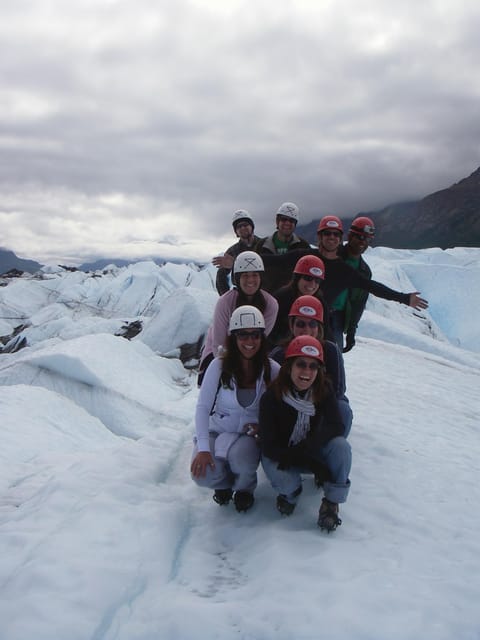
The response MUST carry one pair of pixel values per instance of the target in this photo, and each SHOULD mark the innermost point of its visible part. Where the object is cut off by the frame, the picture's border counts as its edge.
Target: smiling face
(329, 241)
(250, 282)
(308, 286)
(285, 228)
(304, 327)
(249, 342)
(358, 243)
(244, 230)
(304, 372)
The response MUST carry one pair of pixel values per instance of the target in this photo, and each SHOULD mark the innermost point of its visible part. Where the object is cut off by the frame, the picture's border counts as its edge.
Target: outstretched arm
(416, 302)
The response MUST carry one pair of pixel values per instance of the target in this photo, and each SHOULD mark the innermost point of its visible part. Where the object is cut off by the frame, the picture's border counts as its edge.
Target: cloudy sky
(137, 127)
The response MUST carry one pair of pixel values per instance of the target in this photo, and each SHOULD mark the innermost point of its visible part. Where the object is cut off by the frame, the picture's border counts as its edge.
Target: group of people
(272, 377)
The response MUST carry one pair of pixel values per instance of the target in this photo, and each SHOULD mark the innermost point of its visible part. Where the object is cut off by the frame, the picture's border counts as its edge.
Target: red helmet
(330, 222)
(307, 307)
(363, 225)
(305, 346)
(310, 266)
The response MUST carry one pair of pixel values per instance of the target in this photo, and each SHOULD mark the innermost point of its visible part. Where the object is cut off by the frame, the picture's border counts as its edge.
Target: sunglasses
(361, 236)
(301, 324)
(242, 224)
(313, 366)
(285, 219)
(311, 279)
(337, 234)
(245, 335)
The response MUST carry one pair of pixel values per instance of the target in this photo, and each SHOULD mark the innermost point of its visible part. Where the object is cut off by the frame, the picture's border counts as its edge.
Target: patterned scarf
(305, 409)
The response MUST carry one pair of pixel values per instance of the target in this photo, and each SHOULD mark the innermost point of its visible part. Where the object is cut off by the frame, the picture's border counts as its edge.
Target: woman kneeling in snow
(226, 453)
(301, 432)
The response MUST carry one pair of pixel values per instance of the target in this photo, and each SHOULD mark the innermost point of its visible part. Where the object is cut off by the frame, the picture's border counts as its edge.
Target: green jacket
(357, 298)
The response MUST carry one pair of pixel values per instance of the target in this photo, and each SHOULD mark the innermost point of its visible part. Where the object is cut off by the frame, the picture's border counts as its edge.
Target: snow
(104, 536)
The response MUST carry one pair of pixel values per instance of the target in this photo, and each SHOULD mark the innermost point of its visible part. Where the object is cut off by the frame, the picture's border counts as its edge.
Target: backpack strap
(212, 410)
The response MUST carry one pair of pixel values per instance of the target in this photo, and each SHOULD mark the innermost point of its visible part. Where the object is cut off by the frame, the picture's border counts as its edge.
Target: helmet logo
(332, 223)
(247, 320)
(316, 271)
(310, 350)
(250, 262)
(368, 229)
(307, 311)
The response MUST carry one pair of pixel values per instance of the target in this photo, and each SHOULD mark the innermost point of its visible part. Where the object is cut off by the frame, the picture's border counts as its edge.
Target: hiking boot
(222, 496)
(243, 500)
(328, 516)
(285, 507)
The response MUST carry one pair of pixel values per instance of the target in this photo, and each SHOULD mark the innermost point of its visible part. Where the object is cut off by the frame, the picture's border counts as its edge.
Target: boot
(285, 507)
(222, 496)
(243, 500)
(328, 516)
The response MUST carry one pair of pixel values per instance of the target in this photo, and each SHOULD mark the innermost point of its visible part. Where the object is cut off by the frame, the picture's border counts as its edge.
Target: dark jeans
(337, 322)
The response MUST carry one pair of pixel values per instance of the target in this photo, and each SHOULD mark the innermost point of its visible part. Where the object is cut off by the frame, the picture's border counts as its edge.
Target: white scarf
(305, 409)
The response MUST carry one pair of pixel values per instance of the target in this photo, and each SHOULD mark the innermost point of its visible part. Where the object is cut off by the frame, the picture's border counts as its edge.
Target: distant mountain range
(9, 261)
(445, 219)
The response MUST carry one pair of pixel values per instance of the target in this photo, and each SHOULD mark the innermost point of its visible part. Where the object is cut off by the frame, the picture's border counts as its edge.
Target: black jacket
(338, 276)
(277, 420)
(279, 272)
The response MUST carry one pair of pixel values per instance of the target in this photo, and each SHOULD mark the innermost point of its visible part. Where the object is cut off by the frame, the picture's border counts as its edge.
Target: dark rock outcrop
(447, 218)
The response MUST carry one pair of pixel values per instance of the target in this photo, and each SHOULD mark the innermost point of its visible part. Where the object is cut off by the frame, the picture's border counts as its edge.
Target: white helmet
(243, 215)
(289, 210)
(247, 261)
(246, 317)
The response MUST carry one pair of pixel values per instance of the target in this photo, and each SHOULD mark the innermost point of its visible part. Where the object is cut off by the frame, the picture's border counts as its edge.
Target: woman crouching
(226, 453)
(301, 432)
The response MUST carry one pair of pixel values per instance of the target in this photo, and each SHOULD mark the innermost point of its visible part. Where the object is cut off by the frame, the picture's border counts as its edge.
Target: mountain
(101, 263)
(447, 218)
(9, 261)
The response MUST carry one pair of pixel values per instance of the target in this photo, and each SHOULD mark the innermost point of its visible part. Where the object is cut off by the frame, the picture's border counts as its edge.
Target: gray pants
(238, 472)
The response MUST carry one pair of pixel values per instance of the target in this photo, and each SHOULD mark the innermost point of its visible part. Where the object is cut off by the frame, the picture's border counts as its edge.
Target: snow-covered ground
(105, 537)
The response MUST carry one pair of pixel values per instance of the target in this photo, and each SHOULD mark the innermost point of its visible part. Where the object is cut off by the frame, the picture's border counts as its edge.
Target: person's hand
(349, 342)
(226, 261)
(416, 302)
(251, 429)
(199, 465)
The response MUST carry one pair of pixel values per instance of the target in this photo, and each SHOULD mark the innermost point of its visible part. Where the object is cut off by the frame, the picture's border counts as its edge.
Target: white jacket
(228, 415)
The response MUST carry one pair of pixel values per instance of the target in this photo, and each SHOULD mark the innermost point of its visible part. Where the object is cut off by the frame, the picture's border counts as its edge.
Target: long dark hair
(282, 384)
(232, 367)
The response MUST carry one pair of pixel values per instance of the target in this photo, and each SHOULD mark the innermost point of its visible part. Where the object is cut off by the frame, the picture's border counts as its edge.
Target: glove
(349, 342)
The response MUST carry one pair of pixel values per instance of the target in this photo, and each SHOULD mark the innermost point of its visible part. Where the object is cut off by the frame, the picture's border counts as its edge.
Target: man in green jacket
(348, 307)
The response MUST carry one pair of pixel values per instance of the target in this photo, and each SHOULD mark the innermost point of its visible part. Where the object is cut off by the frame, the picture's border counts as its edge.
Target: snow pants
(238, 471)
(336, 455)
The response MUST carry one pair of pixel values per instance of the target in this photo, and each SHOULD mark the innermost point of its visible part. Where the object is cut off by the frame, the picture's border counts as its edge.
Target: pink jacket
(217, 331)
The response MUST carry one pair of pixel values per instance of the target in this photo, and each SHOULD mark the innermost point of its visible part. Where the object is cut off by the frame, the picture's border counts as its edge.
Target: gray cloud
(173, 115)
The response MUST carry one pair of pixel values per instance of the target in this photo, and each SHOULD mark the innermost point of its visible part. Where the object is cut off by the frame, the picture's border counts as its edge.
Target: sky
(105, 537)
(132, 129)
